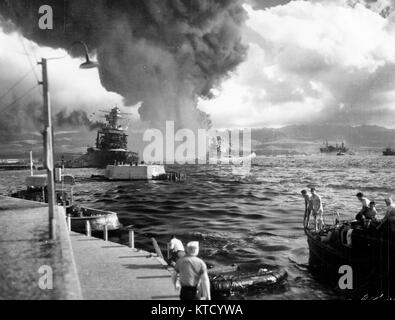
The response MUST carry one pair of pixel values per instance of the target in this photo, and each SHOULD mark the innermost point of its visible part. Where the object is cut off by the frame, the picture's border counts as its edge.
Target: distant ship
(389, 152)
(338, 149)
(111, 146)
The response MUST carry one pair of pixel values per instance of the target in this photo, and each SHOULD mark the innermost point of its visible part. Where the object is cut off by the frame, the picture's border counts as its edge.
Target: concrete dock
(32, 267)
(82, 267)
(108, 270)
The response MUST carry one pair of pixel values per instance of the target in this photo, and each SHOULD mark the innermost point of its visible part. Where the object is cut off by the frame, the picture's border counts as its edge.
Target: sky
(321, 61)
(311, 62)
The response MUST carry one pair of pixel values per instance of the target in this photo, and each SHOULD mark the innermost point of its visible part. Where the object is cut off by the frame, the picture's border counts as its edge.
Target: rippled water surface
(254, 219)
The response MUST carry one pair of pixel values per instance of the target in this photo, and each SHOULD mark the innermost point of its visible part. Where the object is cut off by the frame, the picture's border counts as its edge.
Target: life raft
(233, 279)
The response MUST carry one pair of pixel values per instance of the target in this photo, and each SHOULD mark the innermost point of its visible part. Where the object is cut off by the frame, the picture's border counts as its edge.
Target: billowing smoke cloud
(321, 61)
(165, 53)
(26, 118)
(262, 4)
(75, 119)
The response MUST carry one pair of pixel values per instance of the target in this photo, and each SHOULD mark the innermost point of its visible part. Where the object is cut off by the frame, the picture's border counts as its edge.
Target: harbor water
(254, 219)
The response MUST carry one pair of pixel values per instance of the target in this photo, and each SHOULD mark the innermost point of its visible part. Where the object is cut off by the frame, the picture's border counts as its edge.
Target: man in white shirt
(307, 208)
(176, 249)
(191, 274)
(365, 206)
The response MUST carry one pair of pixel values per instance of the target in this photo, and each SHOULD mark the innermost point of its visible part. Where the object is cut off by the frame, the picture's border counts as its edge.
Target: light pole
(48, 136)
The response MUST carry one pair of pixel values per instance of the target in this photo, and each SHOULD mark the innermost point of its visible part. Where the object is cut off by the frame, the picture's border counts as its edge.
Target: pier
(83, 267)
(108, 270)
(26, 253)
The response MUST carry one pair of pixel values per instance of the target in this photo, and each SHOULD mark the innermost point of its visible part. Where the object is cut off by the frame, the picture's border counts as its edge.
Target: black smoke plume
(166, 53)
(28, 118)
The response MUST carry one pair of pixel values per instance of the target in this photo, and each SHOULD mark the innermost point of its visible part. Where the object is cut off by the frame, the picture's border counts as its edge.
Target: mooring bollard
(88, 228)
(68, 222)
(105, 232)
(131, 239)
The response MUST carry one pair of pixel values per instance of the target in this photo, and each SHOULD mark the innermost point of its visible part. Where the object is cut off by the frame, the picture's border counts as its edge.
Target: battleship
(111, 146)
(339, 149)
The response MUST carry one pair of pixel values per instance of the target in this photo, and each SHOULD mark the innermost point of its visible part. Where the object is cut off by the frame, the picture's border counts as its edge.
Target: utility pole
(48, 149)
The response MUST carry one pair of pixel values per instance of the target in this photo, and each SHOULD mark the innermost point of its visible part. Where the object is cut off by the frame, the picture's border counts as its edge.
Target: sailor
(307, 208)
(389, 214)
(371, 212)
(365, 206)
(176, 249)
(192, 273)
(317, 209)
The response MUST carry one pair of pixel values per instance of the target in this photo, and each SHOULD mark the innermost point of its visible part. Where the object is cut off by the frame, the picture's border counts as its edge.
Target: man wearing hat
(389, 214)
(176, 250)
(192, 273)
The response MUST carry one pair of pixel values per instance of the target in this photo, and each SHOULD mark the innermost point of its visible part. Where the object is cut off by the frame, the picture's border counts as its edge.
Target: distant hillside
(307, 139)
(296, 139)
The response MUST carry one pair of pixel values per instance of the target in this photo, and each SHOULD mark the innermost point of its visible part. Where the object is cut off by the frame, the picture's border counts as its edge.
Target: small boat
(36, 190)
(98, 219)
(242, 279)
(340, 153)
(389, 152)
(235, 279)
(369, 252)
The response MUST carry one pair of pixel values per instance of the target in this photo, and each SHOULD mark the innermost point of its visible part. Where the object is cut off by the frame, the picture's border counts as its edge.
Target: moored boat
(98, 219)
(370, 254)
(36, 190)
(233, 279)
(389, 152)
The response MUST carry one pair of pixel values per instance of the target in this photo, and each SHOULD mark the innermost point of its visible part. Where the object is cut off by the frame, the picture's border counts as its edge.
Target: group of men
(369, 212)
(313, 207)
(190, 276)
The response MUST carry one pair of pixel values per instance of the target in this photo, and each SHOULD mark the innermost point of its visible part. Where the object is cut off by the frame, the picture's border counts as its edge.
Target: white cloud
(306, 59)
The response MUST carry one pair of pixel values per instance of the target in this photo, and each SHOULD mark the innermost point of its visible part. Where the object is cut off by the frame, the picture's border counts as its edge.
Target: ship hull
(101, 158)
(371, 258)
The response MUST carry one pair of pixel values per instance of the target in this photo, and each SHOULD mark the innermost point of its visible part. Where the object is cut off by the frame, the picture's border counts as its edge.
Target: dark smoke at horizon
(24, 118)
(166, 53)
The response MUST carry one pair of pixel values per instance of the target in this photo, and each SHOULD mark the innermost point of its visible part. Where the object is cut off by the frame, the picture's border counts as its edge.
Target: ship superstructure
(111, 145)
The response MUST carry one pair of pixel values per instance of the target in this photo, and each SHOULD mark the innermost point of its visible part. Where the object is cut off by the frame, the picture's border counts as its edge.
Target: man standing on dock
(193, 275)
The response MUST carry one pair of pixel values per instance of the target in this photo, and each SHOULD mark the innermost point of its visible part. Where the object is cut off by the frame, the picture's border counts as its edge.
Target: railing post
(131, 239)
(105, 232)
(69, 222)
(88, 228)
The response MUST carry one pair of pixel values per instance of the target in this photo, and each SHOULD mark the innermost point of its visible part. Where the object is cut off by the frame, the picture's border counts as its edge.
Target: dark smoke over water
(166, 53)
(24, 118)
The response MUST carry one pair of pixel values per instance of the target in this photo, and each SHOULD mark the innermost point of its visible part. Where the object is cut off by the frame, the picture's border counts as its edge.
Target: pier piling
(131, 239)
(88, 228)
(105, 232)
(68, 223)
